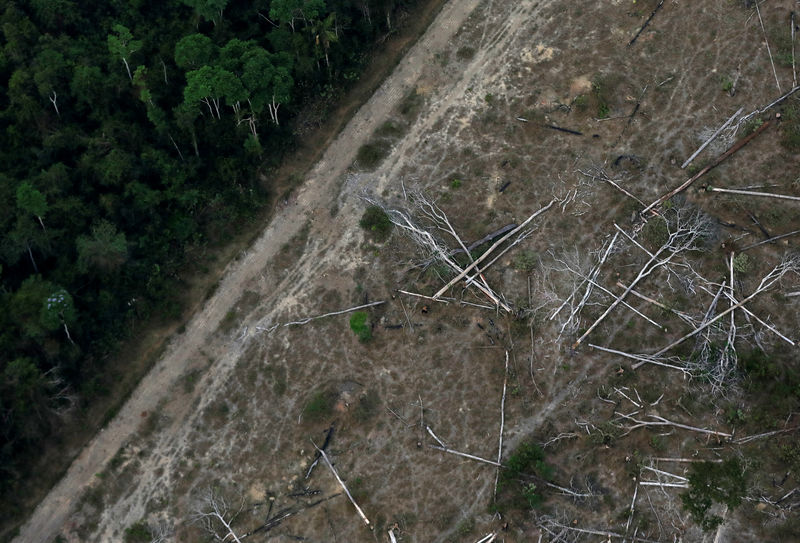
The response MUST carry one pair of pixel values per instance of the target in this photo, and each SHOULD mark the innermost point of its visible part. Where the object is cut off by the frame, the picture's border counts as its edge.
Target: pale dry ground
(240, 431)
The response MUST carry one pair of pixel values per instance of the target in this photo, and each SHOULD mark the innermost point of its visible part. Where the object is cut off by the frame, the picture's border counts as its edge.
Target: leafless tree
(216, 515)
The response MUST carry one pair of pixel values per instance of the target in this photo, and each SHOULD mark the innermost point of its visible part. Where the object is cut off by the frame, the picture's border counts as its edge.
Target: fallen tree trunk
(738, 145)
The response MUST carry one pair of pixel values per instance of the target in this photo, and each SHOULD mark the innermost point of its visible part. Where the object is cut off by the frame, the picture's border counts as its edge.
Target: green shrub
(371, 154)
(655, 233)
(138, 533)
(360, 327)
(742, 263)
(376, 222)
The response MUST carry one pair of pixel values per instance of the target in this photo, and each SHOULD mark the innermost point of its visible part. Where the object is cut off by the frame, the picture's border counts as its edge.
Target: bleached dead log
(341, 483)
(661, 421)
(735, 147)
(770, 240)
(488, 539)
(683, 316)
(630, 511)
(422, 296)
(485, 255)
(666, 485)
(662, 472)
(502, 424)
(712, 138)
(689, 460)
(392, 538)
(641, 359)
(787, 266)
(748, 439)
(553, 524)
(794, 70)
(769, 52)
(753, 193)
(343, 311)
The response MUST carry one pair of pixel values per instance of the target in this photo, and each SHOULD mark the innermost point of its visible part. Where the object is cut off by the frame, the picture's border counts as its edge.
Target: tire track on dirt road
(320, 189)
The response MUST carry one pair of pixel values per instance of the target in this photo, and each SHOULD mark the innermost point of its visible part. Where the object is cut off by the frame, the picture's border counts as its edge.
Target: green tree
(210, 10)
(121, 44)
(288, 11)
(194, 51)
(268, 79)
(31, 200)
(87, 85)
(105, 249)
(58, 309)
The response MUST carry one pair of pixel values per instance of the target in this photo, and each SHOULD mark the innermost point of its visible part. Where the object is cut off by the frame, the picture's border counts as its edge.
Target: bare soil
(237, 401)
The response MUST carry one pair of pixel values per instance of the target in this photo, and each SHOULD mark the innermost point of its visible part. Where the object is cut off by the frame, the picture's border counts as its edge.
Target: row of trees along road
(131, 131)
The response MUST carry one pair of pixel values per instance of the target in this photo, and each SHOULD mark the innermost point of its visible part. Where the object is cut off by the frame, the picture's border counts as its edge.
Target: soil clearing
(499, 108)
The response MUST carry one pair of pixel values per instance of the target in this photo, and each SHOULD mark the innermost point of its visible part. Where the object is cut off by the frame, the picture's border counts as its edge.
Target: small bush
(742, 263)
(360, 327)
(376, 222)
(455, 183)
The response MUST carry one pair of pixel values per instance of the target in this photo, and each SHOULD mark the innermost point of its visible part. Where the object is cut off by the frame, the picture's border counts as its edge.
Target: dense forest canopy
(133, 130)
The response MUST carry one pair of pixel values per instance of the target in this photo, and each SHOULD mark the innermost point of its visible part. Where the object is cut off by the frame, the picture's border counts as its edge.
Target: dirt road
(319, 190)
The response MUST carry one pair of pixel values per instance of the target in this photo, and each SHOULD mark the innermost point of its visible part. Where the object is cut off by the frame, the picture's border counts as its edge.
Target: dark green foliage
(165, 112)
(360, 326)
(138, 533)
(371, 154)
(319, 406)
(376, 222)
(520, 482)
(710, 483)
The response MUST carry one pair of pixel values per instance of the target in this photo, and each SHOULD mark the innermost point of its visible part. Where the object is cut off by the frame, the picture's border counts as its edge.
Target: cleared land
(474, 119)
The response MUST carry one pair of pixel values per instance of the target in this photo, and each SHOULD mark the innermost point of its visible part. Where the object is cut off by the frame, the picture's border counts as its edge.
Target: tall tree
(121, 44)
(31, 200)
(105, 249)
(210, 10)
(194, 51)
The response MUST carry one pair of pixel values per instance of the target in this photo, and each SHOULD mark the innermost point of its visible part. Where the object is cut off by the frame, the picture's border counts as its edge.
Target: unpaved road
(318, 191)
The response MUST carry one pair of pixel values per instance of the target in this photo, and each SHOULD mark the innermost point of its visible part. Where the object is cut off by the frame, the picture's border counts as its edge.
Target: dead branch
(488, 539)
(485, 255)
(687, 231)
(752, 193)
(712, 138)
(661, 421)
(647, 22)
(786, 266)
(343, 311)
(690, 460)
(328, 436)
(738, 145)
(769, 52)
(341, 483)
(601, 175)
(212, 510)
